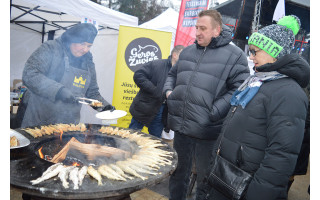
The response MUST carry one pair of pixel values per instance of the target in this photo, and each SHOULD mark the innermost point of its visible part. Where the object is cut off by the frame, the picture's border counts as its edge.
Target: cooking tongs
(85, 100)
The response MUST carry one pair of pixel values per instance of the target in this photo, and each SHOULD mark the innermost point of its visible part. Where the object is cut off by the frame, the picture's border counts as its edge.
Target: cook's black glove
(100, 109)
(65, 95)
(109, 107)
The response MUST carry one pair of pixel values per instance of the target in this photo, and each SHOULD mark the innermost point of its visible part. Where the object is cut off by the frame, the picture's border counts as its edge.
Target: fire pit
(53, 146)
(26, 165)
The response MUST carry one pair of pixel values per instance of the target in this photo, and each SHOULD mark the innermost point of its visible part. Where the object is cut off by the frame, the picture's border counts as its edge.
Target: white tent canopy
(56, 13)
(166, 21)
(28, 31)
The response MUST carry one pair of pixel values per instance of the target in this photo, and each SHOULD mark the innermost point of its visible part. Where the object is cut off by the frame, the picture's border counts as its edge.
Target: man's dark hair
(214, 14)
(177, 49)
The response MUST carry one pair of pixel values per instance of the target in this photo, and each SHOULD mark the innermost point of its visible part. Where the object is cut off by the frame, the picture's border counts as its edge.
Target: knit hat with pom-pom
(277, 39)
(84, 32)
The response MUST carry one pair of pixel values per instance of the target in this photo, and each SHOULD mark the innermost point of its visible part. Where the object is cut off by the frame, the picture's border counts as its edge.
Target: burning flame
(75, 164)
(61, 132)
(40, 153)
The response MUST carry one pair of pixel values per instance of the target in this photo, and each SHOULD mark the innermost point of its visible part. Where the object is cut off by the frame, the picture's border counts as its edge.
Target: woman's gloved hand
(65, 95)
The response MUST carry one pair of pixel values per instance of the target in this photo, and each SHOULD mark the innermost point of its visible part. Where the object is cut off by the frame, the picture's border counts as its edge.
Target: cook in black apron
(41, 111)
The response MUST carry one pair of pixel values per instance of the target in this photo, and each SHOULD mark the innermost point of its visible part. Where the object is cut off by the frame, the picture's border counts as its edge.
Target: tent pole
(10, 7)
(43, 31)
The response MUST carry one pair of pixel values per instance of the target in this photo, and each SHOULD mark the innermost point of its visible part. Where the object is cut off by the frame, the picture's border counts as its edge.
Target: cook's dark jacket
(202, 83)
(44, 70)
(265, 137)
(150, 79)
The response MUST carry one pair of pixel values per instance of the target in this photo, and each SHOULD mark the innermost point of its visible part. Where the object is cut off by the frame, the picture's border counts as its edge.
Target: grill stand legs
(28, 197)
(193, 178)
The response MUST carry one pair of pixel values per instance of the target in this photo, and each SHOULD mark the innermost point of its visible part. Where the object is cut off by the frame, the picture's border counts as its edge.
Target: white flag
(279, 11)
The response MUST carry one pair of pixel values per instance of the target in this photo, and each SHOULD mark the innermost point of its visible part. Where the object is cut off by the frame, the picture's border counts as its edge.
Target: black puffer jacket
(150, 79)
(202, 83)
(265, 137)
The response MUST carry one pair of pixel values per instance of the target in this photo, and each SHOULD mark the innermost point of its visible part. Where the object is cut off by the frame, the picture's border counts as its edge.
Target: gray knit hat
(277, 39)
(84, 32)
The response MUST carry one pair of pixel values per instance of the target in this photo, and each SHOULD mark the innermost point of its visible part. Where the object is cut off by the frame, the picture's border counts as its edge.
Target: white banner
(279, 11)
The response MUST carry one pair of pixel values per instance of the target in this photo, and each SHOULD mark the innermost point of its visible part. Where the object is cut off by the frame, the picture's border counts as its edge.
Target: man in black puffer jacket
(146, 108)
(198, 90)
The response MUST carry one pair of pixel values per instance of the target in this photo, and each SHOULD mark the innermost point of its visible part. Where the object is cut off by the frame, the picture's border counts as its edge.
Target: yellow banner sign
(136, 46)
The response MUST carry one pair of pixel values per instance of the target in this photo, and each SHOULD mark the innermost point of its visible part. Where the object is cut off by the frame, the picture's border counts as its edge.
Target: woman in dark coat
(264, 129)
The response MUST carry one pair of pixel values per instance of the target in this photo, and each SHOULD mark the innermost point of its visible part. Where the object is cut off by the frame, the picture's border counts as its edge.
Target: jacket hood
(292, 65)
(223, 39)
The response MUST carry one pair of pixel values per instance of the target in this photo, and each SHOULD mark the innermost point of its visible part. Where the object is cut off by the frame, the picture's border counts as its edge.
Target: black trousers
(186, 148)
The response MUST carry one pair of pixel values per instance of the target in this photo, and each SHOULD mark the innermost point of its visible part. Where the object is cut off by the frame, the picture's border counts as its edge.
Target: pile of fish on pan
(147, 160)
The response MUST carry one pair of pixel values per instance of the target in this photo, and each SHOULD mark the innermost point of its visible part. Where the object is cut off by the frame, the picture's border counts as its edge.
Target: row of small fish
(147, 161)
(54, 128)
(123, 170)
(117, 171)
(64, 173)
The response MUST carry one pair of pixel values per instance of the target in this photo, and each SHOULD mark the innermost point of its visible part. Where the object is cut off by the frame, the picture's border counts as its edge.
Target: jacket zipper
(239, 156)
(233, 111)
(239, 160)
(189, 84)
(229, 119)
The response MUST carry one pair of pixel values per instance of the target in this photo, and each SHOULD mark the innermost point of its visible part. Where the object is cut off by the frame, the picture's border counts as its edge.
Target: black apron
(41, 111)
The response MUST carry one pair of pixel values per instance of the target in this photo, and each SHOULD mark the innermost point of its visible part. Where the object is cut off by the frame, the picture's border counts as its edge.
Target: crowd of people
(257, 124)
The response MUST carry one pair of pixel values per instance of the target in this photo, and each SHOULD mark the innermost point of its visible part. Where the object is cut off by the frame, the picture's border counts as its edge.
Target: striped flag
(188, 15)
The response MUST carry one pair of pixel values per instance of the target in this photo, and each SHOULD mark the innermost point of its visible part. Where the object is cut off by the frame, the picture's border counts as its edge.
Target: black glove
(109, 107)
(65, 95)
(100, 109)
(166, 129)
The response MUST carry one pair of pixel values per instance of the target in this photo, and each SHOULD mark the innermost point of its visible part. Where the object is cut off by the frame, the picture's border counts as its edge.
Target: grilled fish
(110, 173)
(129, 170)
(147, 160)
(139, 169)
(119, 171)
(73, 176)
(63, 175)
(81, 174)
(95, 174)
(154, 157)
(52, 171)
(146, 166)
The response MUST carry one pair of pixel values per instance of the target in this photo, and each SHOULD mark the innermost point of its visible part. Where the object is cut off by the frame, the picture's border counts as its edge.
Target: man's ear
(217, 31)
(175, 55)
